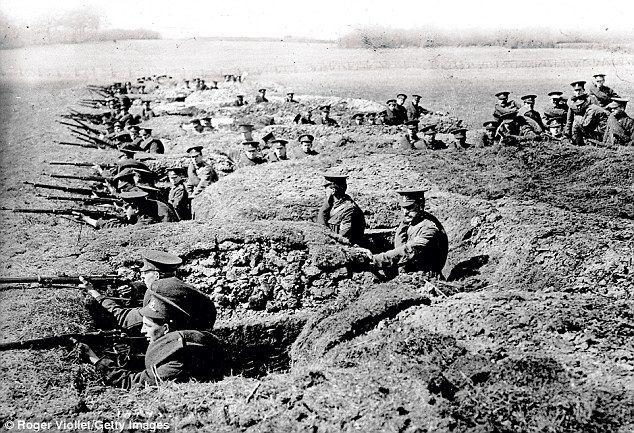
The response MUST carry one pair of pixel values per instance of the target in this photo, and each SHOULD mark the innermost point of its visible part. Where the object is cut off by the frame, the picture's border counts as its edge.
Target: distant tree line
(71, 27)
(382, 37)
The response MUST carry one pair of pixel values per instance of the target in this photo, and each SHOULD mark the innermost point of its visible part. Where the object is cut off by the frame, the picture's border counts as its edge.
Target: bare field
(534, 334)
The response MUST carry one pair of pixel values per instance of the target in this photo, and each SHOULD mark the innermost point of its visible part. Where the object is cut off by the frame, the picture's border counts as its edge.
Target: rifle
(76, 177)
(80, 164)
(74, 190)
(86, 200)
(87, 128)
(90, 338)
(96, 213)
(86, 145)
(96, 140)
(63, 279)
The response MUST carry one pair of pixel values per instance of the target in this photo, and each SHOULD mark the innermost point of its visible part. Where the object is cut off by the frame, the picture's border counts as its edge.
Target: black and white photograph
(330, 216)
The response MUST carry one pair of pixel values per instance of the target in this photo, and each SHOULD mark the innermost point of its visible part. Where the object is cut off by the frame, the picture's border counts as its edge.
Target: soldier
(146, 112)
(139, 209)
(250, 155)
(558, 110)
(429, 139)
(177, 351)
(504, 105)
(460, 138)
(420, 242)
(603, 94)
(214, 85)
(414, 110)
(410, 138)
(339, 212)
(357, 119)
(261, 97)
(267, 139)
(400, 107)
(135, 137)
(304, 118)
(124, 181)
(206, 124)
(125, 117)
(619, 130)
(305, 147)
(199, 173)
(392, 114)
(197, 126)
(325, 118)
(370, 118)
(150, 144)
(579, 88)
(278, 151)
(178, 196)
(224, 165)
(532, 117)
(156, 265)
(381, 118)
(487, 139)
(289, 97)
(555, 129)
(239, 101)
(584, 120)
(247, 132)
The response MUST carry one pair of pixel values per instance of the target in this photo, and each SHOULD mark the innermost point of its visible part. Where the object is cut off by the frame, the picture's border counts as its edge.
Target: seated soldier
(223, 164)
(339, 212)
(460, 138)
(206, 124)
(429, 139)
(146, 112)
(504, 105)
(278, 151)
(200, 174)
(139, 209)
(304, 118)
(150, 144)
(603, 94)
(324, 118)
(177, 351)
(410, 138)
(400, 107)
(532, 117)
(247, 132)
(250, 154)
(392, 116)
(370, 118)
(558, 109)
(487, 139)
(305, 147)
(357, 119)
(420, 242)
(555, 129)
(135, 136)
(196, 126)
(239, 101)
(178, 196)
(619, 130)
(289, 97)
(585, 120)
(261, 97)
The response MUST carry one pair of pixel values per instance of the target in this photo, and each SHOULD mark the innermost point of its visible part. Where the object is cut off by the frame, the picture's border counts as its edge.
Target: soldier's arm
(570, 117)
(323, 215)
(207, 175)
(127, 318)
(345, 226)
(407, 251)
(125, 379)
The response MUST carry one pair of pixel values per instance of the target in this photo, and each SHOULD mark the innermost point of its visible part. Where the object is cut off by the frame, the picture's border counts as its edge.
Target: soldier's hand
(85, 352)
(87, 285)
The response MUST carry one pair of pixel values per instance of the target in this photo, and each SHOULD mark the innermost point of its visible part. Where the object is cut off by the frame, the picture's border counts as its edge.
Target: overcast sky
(329, 19)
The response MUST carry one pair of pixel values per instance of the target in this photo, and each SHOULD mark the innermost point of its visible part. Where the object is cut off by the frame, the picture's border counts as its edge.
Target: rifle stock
(90, 338)
(76, 190)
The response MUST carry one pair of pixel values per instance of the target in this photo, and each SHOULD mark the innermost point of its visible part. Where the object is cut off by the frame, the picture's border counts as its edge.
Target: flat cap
(498, 94)
(134, 128)
(598, 75)
(181, 171)
(556, 94)
(240, 96)
(335, 179)
(324, 108)
(279, 143)
(391, 101)
(416, 96)
(196, 147)
(371, 114)
(195, 121)
(411, 196)
(554, 122)
(134, 194)
(250, 144)
(148, 130)
(306, 138)
(459, 131)
(613, 105)
(490, 124)
(290, 93)
(508, 116)
(401, 95)
(154, 260)
(528, 97)
(429, 129)
(127, 163)
(124, 174)
(245, 127)
(359, 115)
(411, 123)
(262, 90)
(580, 83)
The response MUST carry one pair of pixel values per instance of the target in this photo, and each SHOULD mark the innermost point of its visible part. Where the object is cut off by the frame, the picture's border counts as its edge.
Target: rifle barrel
(60, 279)
(65, 340)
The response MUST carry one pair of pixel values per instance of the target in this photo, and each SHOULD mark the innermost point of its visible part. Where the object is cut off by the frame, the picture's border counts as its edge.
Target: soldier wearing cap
(410, 138)
(278, 151)
(125, 117)
(619, 129)
(200, 174)
(487, 139)
(289, 97)
(197, 126)
(261, 97)
(206, 124)
(135, 137)
(149, 143)
(460, 138)
(531, 116)
(357, 118)
(578, 89)
(156, 265)
(239, 101)
(504, 105)
(223, 164)
(305, 147)
(555, 129)
(324, 117)
(585, 120)
(178, 196)
(178, 349)
(429, 139)
(393, 115)
(558, 109)
(250, 154)
(304, 118)
(420, 242)
(247, 131)
(603, 94)
(414, 110)
(370, 118)
(339, 212)
(400, 106)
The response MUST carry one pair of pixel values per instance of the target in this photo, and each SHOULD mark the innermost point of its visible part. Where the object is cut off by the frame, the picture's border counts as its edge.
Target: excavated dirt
(531, 331)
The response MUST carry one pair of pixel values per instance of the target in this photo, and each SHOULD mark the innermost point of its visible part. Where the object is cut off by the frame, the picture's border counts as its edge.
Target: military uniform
(150, 212)
(152, 145)
(239, 102)
(533, 118)
(199, 177)
(244, 161)
(619, 130)
(557, 112)
(327, 121)
(420, 246)
(584, 120)
(603, 94)
(179, 199)
(261, 97)
(393, 118)
(343, 217)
